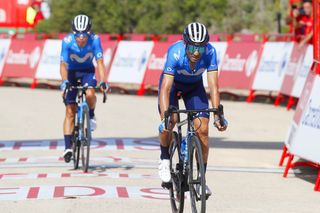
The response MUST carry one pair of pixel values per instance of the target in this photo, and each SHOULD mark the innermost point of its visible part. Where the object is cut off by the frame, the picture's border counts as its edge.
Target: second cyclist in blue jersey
(79, 48)
(186, 61)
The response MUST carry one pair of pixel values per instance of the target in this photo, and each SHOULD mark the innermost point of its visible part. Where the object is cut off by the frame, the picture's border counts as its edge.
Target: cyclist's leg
(71, 107)
(88, 78)
(197, 99)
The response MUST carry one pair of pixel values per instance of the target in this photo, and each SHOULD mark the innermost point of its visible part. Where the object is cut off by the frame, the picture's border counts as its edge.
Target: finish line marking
(113, 175)
(110, 144)
(81, 191)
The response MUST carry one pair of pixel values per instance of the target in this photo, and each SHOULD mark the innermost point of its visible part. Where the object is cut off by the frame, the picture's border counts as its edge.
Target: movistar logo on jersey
(185, 72)
(79, 59)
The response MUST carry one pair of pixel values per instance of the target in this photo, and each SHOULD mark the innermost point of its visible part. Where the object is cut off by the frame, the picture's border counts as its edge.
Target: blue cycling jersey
(80, 58)
(178, 65)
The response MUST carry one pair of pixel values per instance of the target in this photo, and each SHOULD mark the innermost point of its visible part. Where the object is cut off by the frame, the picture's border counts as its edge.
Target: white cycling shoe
(67, 155)
(93, 123)
(164, 170)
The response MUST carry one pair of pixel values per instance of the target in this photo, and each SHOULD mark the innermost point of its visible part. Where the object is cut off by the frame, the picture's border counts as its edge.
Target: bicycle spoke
(197, 185)
(176, 191)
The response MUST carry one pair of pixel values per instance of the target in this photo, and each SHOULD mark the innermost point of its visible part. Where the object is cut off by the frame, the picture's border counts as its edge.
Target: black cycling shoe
(67, 155)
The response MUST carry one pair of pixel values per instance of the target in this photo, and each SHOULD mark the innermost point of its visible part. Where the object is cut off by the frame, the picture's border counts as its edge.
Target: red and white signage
(4, 46)
(49, 66)
(301, 106)
(306, 143)
(272, 66)
(23, 58)
(239, 65)
(156, 63)
(130, 62)
(294, 65)
(303, 72)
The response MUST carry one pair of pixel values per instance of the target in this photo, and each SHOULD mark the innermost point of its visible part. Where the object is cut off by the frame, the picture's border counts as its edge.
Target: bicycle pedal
(166, 185)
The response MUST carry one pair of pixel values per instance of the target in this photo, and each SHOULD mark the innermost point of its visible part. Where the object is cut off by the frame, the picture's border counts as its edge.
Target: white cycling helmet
(196, 34)
(81, 24)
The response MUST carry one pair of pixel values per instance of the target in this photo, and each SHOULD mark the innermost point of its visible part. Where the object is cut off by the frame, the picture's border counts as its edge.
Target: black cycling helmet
(81, 24)
(196, 34)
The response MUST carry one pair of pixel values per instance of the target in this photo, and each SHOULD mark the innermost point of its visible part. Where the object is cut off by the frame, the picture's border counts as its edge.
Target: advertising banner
(306, 142)
(156, 63)
(4, 46)
(239, 65)
(130, 62)
(272, 66)
(23, 58)
(303, 72)
(294, 65)
(49, 66)
(301, 106)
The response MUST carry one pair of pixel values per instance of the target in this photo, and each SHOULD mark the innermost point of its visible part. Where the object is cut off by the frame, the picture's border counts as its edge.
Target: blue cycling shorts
(193, 94)
(86, 78)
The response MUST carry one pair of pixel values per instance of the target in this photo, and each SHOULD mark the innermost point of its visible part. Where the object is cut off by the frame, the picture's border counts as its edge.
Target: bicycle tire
(196, 176)
(76, 148)
(176, 190)
(86, 140)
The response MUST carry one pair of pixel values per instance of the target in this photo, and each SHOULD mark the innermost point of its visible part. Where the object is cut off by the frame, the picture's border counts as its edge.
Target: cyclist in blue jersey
(77, 53)
(186, 61)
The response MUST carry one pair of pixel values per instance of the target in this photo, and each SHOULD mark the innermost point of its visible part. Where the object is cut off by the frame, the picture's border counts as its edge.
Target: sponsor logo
(198, 72)
(68, 39)
(233, 64)
(79, 59)
(22, 57)
(177, 55)
(251, 63)
(157, 63)
(107, 55)
(311, 117)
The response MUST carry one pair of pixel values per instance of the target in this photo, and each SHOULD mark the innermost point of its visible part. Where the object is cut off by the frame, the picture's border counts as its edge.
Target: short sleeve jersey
(177, 64)
(80, 58)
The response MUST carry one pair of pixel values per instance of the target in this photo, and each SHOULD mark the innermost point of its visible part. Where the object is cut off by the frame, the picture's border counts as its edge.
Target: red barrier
(109, 49)
(22, 59)
(155, 65)
(239, 65)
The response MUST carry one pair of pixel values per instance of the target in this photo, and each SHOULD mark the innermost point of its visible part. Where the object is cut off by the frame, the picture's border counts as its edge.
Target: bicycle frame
(82, 107)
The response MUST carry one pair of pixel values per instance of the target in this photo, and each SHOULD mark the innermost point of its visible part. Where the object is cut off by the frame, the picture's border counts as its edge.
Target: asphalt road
(243, 170)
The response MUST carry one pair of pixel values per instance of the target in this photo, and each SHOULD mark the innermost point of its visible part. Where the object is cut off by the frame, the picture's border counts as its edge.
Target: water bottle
(183, 147)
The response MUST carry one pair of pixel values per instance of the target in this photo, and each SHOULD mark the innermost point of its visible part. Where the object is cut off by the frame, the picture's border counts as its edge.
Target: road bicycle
(81, 136)
(186, 162)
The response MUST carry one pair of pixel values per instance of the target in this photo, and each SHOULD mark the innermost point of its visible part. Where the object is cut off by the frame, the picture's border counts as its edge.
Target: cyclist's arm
(212, 74)
(101, 70)
(213, 87)
(98, 53)
(165, 88)
(64, 58)
(63, 71)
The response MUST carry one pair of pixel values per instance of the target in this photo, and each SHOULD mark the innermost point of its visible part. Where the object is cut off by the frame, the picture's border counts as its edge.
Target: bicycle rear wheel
(76, 148)
(176, 190)
(197, 181)
(86, 140)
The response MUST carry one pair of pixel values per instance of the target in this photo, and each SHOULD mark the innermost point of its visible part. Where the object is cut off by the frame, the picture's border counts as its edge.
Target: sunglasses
(192, 49)
(81, 35)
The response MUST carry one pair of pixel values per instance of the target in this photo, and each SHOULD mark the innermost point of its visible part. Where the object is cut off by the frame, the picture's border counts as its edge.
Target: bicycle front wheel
(86, 140)
(176, 190)
(76, 148)
(197, 181)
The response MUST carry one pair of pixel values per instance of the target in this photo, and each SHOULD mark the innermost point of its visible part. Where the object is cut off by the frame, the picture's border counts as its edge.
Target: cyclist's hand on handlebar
(220, 123)
(104, 86)
(64, 85)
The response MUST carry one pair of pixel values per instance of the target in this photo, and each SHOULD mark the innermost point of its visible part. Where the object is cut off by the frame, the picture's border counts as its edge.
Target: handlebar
(171, 110)
(83, 88)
